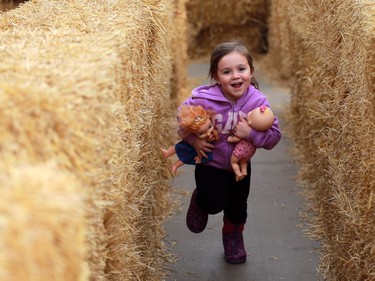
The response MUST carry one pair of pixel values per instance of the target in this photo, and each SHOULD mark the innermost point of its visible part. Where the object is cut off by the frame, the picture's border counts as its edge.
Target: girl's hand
(201, 146)
(242, 129)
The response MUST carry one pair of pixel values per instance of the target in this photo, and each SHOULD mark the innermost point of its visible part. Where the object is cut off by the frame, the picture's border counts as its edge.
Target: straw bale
(331, 120)
(178, 50)
(43, 232)
(280, 43)
(76, 88)
(212, 22)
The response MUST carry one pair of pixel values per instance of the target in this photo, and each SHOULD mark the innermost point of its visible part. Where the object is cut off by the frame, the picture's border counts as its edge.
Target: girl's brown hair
(226, 48)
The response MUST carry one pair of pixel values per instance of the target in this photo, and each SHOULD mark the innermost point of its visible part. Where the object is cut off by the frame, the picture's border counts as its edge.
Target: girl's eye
(226, 72)
(242, 68)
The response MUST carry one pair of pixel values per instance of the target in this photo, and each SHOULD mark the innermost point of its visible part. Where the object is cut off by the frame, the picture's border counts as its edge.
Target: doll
(195, 120)
(260, 119)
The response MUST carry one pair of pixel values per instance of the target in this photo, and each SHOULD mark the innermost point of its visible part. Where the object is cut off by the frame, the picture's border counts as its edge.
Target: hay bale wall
(328, 49)
(178, 51)
(35, 235)
(85, 96)
(212, 22)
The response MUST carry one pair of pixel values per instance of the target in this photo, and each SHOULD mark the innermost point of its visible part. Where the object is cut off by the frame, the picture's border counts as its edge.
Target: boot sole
(235, 261)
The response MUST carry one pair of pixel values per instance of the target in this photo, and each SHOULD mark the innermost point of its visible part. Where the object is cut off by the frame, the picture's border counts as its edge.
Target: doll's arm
(233, 139)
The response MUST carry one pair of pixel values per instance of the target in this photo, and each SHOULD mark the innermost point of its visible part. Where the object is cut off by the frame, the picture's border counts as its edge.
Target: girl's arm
(202, 146)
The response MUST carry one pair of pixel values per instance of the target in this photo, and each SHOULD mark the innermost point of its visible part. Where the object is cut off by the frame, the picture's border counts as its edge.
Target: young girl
(195, 120)
(232, 96)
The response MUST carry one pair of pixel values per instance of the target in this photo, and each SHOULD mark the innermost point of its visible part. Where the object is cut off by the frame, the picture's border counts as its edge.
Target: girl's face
(234, 75)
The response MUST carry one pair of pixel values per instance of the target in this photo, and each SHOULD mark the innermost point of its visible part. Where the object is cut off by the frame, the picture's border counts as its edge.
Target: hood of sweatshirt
(214, 92)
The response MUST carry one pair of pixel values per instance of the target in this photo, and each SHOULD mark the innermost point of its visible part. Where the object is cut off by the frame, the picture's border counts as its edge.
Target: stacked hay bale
(329, 46)
(85, 89)
(279, 39)
(42, 224)
(212, 22)
(179, 50)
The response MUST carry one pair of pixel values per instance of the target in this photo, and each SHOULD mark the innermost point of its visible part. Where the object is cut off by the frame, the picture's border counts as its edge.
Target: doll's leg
(169, 151)
(243, 170)
(175, 166)
(236, 168)
(243, 165)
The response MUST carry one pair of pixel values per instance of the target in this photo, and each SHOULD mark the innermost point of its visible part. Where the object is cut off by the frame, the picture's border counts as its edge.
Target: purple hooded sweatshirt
(210, 97)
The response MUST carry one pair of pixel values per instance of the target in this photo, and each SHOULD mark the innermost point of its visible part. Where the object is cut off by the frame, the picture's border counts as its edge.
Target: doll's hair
(226, 48)
(192, 117)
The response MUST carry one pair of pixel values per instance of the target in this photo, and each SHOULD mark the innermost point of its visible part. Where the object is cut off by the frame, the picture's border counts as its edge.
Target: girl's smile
(234, 75)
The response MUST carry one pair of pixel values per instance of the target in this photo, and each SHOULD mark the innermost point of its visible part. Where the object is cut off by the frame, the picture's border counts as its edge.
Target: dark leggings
(218, 190)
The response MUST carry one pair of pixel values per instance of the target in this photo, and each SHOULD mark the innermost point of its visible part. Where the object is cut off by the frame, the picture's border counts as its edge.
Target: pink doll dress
(244, 150)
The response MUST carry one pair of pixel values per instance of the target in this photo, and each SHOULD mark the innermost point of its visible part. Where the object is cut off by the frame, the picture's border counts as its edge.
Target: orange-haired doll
(192, 120)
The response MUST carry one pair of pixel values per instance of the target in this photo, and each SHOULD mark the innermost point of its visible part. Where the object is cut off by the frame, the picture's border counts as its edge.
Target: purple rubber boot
(234, 249)
(196, 218)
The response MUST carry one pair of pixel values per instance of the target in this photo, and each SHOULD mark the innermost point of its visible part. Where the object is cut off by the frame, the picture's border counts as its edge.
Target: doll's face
(206, 131)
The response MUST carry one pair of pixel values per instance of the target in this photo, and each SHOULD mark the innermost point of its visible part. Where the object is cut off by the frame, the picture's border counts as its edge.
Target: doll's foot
(164, 152)
(244, 174)
(196, 218)
(239, 178)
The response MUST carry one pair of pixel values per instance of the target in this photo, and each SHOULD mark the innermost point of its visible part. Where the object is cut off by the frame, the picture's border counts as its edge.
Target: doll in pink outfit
(260, 119)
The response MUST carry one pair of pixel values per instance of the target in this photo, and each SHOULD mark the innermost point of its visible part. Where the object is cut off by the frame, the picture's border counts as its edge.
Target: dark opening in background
(8, 5)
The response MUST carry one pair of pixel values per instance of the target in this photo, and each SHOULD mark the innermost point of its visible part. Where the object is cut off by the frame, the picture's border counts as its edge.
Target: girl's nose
(236, 74)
